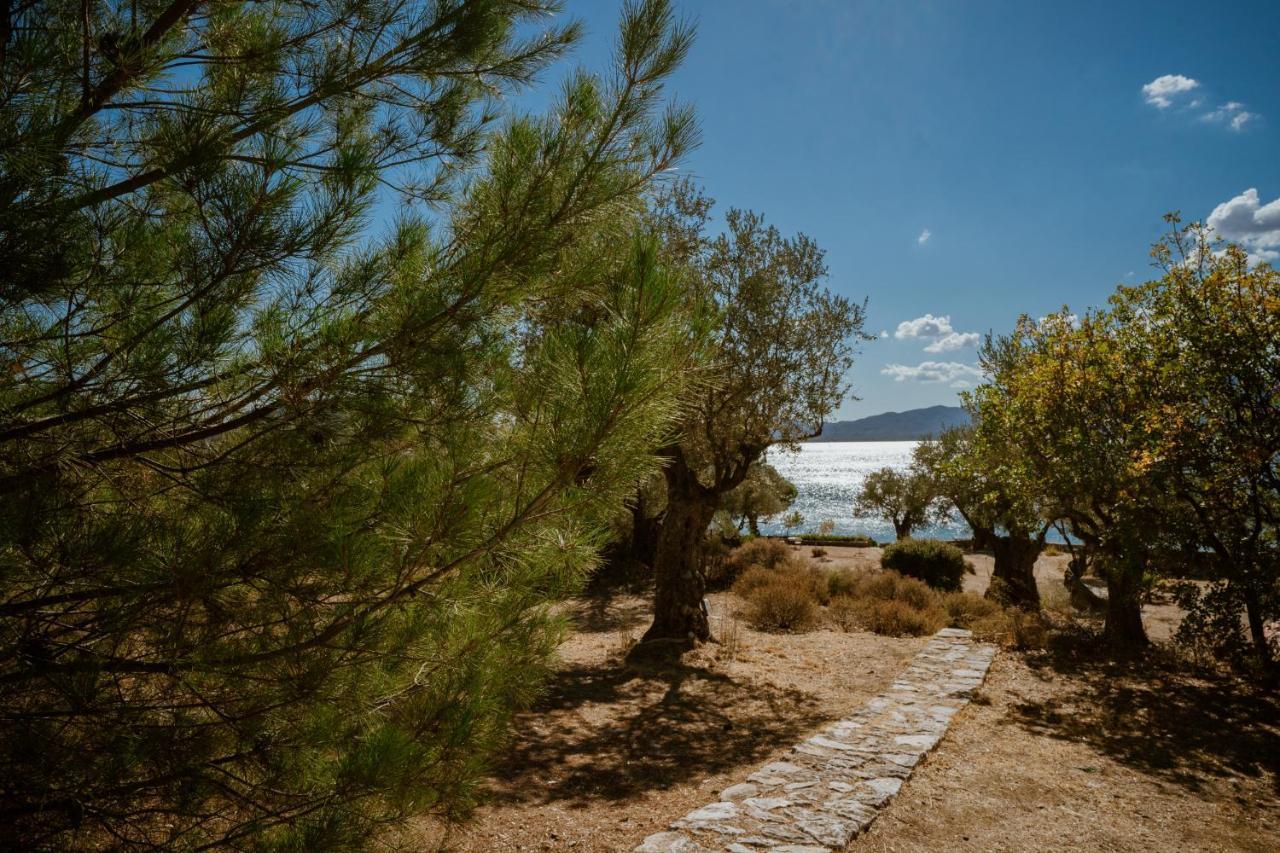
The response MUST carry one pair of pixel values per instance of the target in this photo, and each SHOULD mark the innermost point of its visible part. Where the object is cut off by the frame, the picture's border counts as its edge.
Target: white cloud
(1161, 91)
(944, 337)
(1250, 223)
(1232, 114)
(884, 333)
(924, 237)
(933, 371)
(953, 340)
(927, 326)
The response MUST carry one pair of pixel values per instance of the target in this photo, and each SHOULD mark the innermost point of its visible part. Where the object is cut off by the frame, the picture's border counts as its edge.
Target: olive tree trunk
(1123, 630)
(679, 614)
(1015, 563)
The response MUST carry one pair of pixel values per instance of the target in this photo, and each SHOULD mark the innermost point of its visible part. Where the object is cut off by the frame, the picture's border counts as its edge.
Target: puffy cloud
(924, 237)
(1250, 223)
(933, 371)
(1161, 91)
(927, 326)
(953, 340)
(1232, 114)
(944, 337)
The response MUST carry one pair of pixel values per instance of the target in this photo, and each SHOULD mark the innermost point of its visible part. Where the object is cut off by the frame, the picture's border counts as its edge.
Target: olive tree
(906, 499)
(775, 363)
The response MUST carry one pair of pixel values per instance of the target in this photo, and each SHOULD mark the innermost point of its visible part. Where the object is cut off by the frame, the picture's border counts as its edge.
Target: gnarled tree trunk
(1123, 628)
(679, 615)
(1015, 563)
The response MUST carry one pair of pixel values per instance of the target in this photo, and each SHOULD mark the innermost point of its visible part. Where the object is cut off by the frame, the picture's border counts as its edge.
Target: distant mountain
(896, 426)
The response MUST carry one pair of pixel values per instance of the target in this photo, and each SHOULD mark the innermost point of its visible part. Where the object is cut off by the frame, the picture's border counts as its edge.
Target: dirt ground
(1062, 750)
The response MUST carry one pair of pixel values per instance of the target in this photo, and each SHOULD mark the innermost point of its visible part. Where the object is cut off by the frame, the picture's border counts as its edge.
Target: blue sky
(978, 160)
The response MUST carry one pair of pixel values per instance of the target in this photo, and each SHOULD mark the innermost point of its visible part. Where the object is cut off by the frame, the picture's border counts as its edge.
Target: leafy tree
(775, 369)
(1209, 329)
(762, 494)
(905, 499)
(978, 470)
(1072, 403)
(283, 500)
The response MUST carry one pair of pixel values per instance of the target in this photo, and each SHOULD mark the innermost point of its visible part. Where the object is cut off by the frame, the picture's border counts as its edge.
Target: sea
(828, 475)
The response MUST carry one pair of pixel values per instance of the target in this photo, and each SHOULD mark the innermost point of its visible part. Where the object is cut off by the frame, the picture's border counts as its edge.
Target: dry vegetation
(1062, 750)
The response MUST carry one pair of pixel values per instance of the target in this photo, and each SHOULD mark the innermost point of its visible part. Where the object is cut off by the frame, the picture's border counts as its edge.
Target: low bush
(857, 541)
(781, 605)
(884, 603)
(842, 582)
(819, 553)
(941, 565)
(762, 552)
(897, 618)
(1012, 628)
(771, 610)
(965, 609)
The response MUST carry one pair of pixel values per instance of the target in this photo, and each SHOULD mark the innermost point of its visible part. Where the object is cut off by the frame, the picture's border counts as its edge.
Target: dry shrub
(752, 579)
(884, 603)
(897, 618)
(965, 609)
(1013, 629)
(844, 612)
(782, 606)
(794, 571)
(818, 553)
(842, 582)
(768, 553)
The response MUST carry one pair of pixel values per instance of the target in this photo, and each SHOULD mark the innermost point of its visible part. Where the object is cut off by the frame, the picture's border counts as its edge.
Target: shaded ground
(1062, 750)
(614, 753)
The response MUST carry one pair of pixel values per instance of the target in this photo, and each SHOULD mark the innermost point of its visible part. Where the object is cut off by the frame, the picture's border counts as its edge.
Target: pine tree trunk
(679, 616)
(1123, 629)
(754, 524)
(901, 529)
(1015, 563)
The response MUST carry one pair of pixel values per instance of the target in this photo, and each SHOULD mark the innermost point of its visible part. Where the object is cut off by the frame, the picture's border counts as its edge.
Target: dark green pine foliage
(286, 482)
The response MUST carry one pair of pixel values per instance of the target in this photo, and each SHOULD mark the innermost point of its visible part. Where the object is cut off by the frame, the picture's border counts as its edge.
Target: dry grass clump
(782, 606)
(766, 553)
(783, 594)
(788, 594)
(886, 603)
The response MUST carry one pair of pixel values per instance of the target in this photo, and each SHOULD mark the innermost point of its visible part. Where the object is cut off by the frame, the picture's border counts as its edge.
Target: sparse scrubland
(322, 527)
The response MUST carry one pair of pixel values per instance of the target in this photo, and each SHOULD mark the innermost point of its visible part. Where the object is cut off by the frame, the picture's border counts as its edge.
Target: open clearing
(1062, 750)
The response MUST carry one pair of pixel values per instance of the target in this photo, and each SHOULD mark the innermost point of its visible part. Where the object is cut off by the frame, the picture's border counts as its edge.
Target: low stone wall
(832, 786)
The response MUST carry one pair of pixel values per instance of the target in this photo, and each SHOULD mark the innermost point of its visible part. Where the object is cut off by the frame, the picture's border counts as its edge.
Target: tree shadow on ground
(1157, 715)
(601, 612)
(613, 732)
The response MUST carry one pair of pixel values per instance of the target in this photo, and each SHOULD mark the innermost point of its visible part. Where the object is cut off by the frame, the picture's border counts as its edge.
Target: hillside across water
(911, 425)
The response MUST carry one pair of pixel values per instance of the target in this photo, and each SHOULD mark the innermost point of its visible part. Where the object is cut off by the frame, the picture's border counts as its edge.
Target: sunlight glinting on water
(828, 475)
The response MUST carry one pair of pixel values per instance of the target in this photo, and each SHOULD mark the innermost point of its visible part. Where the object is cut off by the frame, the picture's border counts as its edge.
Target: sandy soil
(1061, 751)
(614, 753)
(1065, 753)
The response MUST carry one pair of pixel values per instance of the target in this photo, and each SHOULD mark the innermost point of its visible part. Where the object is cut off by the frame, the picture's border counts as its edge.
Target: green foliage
(764, 493)
(906, 499)
(284, 501)
(1149, 429)
(774, 370)
(939, 564)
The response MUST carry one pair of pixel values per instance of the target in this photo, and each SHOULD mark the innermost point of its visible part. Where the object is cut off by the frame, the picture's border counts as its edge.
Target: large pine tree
(290, 467)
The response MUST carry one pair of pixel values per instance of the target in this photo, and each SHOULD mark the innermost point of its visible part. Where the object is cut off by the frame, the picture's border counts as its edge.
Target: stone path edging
(832, 786)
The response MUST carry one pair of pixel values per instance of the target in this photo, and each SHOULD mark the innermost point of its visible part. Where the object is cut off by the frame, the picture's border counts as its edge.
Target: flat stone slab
(832, 785)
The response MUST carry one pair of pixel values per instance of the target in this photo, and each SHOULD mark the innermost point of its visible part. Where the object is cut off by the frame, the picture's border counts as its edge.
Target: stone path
(832, 786)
